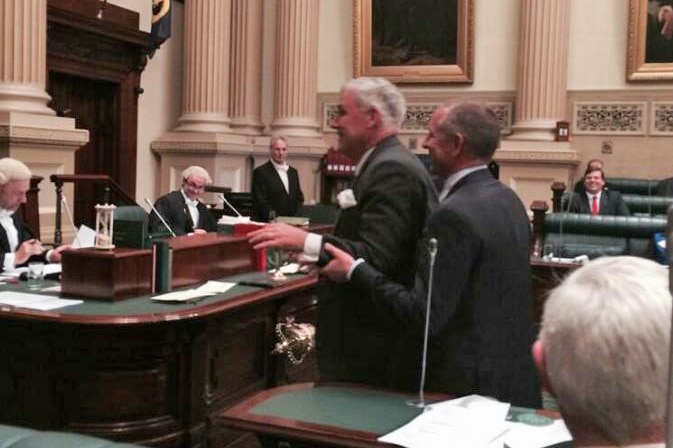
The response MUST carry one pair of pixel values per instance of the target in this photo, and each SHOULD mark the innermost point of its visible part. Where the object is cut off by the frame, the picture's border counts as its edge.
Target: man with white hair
(275, 185)
(182, 209)
(17, 245)
(381, 221)
(603, 352)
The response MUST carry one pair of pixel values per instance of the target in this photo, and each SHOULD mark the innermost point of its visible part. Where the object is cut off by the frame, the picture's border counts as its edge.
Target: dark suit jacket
(173, 208)
(355, 342)
(482, 307)
(268, 192)
(611, 204)
(24, 234)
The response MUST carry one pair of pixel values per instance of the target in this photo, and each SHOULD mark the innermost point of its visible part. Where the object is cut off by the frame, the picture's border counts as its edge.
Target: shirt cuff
(8, 264)
(313, 244)
(48, 255)
(355, 264)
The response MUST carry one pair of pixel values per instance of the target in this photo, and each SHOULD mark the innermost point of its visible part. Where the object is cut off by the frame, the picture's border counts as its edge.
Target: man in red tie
(596, 199)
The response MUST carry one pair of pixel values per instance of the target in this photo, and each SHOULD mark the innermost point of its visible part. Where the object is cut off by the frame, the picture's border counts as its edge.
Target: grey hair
(275, 138)
(12, 169)
(381, 95)
(476, 123)
(197, 171)
(606, 335)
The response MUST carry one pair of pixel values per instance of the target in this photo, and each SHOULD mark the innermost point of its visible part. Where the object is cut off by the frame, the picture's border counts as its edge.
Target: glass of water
(35, 274)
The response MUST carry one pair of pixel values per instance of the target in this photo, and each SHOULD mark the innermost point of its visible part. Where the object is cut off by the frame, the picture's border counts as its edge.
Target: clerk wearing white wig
(17, 245)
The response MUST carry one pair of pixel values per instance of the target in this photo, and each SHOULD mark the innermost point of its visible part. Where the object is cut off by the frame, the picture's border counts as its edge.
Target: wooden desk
(144, 372)
(334, 415)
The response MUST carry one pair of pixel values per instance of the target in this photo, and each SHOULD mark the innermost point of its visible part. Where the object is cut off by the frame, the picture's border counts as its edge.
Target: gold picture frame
(650, 48)
(427, 53)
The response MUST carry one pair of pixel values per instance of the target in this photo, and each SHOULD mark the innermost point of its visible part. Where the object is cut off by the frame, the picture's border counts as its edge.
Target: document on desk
(477, 422)
(207, 289)
(34, 301)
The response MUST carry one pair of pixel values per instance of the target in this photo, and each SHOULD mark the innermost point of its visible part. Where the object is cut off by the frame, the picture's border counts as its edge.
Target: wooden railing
(113, 193)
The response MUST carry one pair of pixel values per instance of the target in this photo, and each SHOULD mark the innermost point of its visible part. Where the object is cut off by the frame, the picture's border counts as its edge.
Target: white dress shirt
(12, 237)
(282, 173)
(193, 211)
(455, 177)
(598, 199)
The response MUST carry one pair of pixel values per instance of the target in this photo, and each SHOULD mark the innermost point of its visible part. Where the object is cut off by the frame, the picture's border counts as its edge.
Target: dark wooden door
(92, 103)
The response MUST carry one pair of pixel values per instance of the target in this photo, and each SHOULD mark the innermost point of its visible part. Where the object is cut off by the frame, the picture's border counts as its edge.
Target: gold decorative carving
(649, 55)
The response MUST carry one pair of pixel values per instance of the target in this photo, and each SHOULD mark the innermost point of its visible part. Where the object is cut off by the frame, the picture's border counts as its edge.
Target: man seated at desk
(595, 199)
(275, 185)
(17, 245)
(182, 209)
(603, 352)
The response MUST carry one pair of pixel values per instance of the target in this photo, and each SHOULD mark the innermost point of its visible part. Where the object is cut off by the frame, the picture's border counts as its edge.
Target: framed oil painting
(650, 41)
(414, 41)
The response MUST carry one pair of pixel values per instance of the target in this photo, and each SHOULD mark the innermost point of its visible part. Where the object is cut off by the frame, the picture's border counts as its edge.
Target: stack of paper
(475, 422)
(207, 289)
(34, 301)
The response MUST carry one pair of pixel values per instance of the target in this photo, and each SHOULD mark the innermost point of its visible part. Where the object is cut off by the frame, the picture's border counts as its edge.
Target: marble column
(296, 80)
(543, 69)
(245, 74)
(206, 66)
(23, 65)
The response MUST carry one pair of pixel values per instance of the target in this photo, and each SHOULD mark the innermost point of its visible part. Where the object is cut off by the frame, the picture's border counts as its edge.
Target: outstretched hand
(279, 235)
(339, 266)
(26, 250)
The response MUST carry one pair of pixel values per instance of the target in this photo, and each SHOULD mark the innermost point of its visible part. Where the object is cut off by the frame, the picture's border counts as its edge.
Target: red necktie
(594, 205)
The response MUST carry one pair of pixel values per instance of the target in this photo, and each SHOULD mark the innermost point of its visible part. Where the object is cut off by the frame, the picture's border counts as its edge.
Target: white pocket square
(346, 199)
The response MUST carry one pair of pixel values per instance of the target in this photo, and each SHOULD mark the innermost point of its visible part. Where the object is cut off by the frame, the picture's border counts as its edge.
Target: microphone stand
(420, 402)
(224, 200)
(72, 222)
(160, 217)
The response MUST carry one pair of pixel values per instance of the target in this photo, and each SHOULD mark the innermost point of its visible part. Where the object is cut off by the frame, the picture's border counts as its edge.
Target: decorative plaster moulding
(418, 115)
(609, 118)
(661, 118)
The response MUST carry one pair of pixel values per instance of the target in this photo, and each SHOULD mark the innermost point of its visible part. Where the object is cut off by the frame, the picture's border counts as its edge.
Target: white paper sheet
(474, 422)
(85, 237)
(182, 296)
(34, 301)
(216, 287)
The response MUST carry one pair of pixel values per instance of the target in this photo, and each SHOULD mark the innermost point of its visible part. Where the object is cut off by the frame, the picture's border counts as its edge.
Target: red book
(258, 256)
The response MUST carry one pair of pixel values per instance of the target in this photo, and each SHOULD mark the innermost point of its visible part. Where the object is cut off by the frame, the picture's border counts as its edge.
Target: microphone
(160, 217)
(432, 252)
(221, 196)
(72, 221)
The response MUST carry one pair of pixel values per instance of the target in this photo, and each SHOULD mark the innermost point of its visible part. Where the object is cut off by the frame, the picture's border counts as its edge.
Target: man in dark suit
(481, 320)
(595, 199)
(17, 245)
(381, 221)
(275, 185)
(182, 209)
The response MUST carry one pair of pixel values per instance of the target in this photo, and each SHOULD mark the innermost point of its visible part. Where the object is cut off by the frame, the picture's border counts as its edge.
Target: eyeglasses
(194, 186)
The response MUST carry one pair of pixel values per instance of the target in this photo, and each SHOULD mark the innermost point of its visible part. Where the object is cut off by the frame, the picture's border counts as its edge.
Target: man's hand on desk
(26, 250)
(56, 254)
(339, 266)
(200, 232)
(279, 235)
